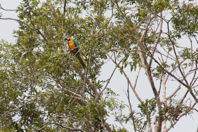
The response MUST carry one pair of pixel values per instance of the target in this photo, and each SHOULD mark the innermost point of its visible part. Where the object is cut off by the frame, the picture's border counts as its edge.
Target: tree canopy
(43, 87)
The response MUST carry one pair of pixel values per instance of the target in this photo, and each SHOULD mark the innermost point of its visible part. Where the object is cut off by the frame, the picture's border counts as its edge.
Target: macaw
(74, 48)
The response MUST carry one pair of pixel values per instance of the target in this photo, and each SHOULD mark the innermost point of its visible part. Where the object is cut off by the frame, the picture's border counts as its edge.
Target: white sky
(118, 82)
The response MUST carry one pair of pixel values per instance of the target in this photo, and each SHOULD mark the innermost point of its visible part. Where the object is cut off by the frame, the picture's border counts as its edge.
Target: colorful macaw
(74, 48)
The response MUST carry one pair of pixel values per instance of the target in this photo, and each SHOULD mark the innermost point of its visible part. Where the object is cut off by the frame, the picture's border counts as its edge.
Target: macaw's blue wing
(77, 50)
(76, 44)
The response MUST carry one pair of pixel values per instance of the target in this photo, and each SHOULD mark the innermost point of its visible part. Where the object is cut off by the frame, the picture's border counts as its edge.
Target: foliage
(43, 87)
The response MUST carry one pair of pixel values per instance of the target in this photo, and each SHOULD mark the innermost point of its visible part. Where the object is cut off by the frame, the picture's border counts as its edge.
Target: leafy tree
(44, 87)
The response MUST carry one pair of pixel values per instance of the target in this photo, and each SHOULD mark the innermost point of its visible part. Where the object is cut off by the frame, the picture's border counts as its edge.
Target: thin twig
(179, 65)
(131, 110)
(157, 40)
(97, 98)
(191, 108)
(12, 19)
(172, 75)
(6, 9)
(128, 80)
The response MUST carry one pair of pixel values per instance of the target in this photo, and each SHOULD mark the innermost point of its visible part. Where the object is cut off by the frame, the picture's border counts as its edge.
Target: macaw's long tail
(81, 61)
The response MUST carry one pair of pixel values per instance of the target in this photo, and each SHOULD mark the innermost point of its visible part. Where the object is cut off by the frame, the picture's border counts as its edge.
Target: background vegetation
(43, 87)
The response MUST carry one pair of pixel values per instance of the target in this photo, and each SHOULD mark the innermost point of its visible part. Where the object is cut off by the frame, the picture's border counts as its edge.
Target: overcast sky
(118, 82)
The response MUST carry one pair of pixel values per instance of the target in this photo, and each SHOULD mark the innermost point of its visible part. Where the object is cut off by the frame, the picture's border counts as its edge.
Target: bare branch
(96, 99)
(179, 65)
(12, 19)
(141, 52)
(6, 9)
(157, 40)
(128, 80)
(137, 78)
(180, 81)
(130, 108)
(174, 93)
(194, 75)
(64, 7)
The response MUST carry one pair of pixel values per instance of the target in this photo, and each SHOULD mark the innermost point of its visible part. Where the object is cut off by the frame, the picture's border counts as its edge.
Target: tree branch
(141, 52)
(64, 7)
(98, 97)
(157, 40)
(12, 19)
(176, 79)
(6, 9)
(128, 80)
(131, 110)
(191, 108)
(69, 128)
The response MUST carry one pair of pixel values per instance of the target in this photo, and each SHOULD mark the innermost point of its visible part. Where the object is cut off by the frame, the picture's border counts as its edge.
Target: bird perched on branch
(74, 48)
